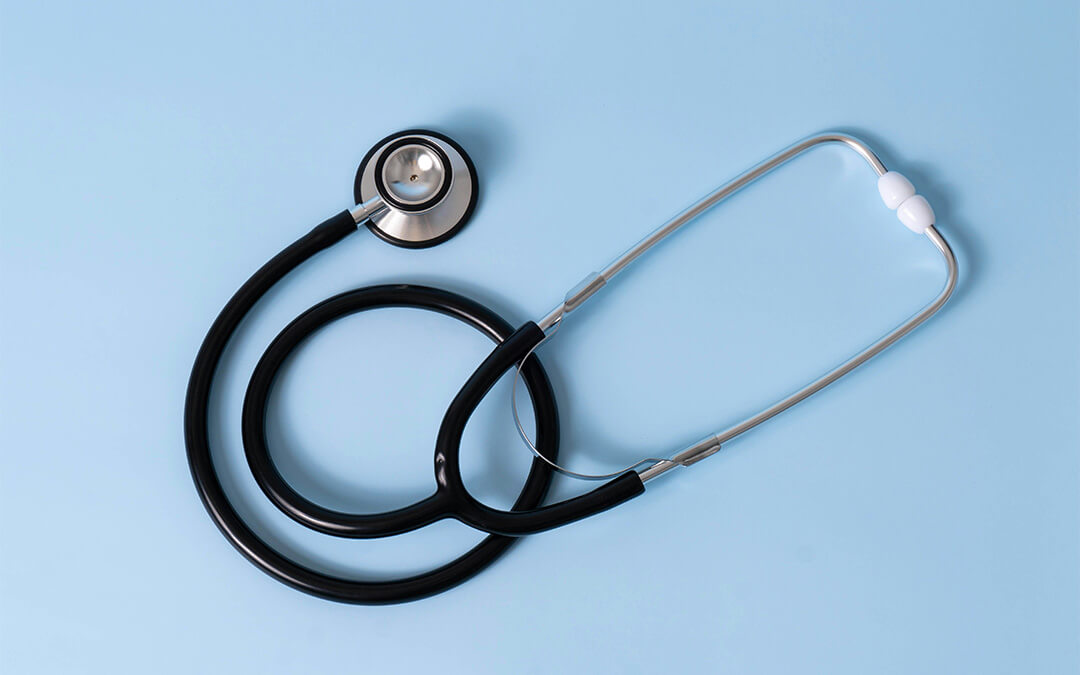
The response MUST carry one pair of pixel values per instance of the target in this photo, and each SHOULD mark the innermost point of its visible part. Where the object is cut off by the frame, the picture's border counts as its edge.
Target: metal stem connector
(368, 210)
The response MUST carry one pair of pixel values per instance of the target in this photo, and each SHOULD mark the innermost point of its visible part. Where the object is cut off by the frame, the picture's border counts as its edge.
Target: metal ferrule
(575, 297)
(369, 209)
(691, 455)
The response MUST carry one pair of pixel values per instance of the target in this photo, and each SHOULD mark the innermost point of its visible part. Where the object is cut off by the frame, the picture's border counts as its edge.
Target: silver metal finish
(830, 377)
(413, 174)
(371, 207)
(703, 205)
(398, 171)
(528, 441)
(711, 444)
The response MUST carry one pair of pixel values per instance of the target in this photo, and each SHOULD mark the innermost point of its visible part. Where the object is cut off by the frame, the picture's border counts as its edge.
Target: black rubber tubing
(469, 510)
(196, 434)
(443, 503)
(451, 498)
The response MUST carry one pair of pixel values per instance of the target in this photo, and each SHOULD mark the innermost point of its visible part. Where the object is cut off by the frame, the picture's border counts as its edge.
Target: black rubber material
(442, 503)
(427, 243)
(447, 456)
(196, 434)
(451, 498)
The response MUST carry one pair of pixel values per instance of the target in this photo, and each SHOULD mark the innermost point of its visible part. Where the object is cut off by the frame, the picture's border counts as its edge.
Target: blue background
(920, 516)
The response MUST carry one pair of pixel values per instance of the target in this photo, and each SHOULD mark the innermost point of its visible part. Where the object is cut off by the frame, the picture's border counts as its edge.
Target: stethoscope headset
(416, 189)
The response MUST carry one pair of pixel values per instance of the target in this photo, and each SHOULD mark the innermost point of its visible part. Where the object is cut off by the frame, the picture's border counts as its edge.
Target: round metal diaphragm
(427, 182)
(414, 173)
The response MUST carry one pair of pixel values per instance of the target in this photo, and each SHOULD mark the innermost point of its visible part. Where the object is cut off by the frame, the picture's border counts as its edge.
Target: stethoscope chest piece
(426, 181)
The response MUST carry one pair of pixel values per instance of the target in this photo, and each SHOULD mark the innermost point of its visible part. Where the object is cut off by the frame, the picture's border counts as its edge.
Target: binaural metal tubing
(688, 456)
(711, 444)
(595, 282)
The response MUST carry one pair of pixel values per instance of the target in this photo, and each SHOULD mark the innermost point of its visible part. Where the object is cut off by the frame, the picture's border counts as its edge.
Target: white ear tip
(894, 188)
(916, 214)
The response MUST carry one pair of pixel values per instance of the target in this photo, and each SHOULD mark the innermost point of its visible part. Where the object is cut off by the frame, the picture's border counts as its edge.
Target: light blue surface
(921, 516)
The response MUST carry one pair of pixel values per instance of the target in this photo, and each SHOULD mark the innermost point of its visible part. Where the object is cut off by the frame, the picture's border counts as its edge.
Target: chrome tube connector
(706, 447)
(368, 210)
(575, 297)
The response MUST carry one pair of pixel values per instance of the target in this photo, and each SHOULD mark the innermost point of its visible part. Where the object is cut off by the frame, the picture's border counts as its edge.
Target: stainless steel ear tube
(897, 193)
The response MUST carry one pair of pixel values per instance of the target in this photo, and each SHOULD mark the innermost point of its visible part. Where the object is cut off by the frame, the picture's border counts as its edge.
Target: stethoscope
(417, 189)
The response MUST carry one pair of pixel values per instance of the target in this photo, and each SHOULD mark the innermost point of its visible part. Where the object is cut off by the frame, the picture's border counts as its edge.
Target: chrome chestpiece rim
(413, 174)
(426, 180)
